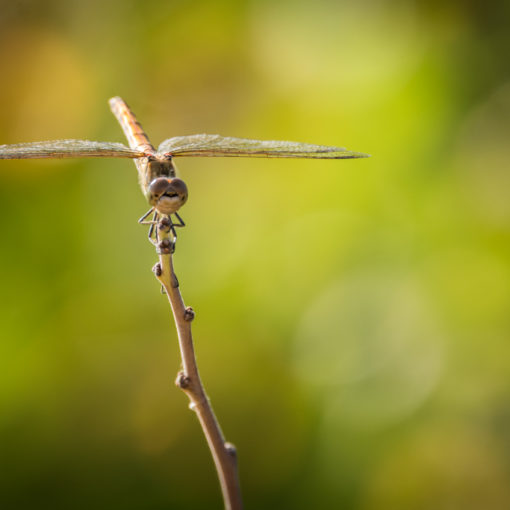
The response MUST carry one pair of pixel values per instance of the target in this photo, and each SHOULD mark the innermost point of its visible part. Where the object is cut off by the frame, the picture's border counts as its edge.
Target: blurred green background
(353, 317)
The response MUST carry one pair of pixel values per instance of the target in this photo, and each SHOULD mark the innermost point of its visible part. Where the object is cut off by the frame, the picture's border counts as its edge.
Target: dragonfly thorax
(158, 166)
(167, 195)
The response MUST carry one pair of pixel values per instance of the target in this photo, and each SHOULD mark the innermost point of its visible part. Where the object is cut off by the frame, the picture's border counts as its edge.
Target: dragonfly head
(167, 195)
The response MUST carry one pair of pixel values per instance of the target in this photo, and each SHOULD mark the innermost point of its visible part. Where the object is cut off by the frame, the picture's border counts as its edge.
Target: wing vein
(220, 146)
(67, 149)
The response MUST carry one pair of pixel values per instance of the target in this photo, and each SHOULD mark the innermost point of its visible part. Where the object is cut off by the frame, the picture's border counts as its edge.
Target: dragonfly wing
(216, 145)
(67, 149)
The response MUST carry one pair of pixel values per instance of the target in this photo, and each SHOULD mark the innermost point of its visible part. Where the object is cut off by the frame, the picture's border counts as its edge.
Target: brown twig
(188, 379)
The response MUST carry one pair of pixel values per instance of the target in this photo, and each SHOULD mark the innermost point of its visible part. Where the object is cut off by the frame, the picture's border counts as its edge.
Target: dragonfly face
(167, 195)
(150, 169)
(165, 192)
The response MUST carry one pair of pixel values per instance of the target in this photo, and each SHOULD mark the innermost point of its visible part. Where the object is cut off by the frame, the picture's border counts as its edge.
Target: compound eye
(158, 186)
(179, 187)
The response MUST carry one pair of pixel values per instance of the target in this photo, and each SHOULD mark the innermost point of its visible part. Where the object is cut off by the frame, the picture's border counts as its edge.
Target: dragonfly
(165, 192)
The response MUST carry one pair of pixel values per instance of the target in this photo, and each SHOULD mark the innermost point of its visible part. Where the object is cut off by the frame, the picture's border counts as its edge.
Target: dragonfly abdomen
(132, 128)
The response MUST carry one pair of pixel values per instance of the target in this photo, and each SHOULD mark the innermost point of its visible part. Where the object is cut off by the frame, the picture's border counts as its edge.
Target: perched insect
(165, 192)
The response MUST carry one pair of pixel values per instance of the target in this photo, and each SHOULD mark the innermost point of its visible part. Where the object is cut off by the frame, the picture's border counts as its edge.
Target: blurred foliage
(353, 317)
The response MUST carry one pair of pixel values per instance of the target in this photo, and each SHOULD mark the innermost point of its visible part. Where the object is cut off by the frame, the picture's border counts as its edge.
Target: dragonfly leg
(179, 224)
(143, 218)
(153, 233)
(154, 239)
(164, 223)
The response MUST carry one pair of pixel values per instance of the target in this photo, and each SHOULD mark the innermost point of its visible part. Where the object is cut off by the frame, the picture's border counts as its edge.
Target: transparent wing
(67, 149)
(216, 145)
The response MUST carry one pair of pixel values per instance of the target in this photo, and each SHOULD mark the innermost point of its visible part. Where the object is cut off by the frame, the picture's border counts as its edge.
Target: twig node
(231, 449)
(189, 314)
(182, 381)
(165, 224)
(165, 247)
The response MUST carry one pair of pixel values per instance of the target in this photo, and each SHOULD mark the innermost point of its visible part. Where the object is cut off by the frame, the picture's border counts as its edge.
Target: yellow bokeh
(352, 324)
